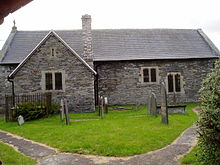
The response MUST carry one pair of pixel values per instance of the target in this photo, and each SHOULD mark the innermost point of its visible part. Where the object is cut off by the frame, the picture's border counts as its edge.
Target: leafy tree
(209, 122)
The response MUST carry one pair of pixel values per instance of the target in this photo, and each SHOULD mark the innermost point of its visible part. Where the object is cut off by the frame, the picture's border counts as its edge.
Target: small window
(49, 82)
(149, 75)
(174, 82)
(177, 83)
(146, 75)
(53, 81)
(58, 81)
(52, 52)
(170, 83)
(153, 75)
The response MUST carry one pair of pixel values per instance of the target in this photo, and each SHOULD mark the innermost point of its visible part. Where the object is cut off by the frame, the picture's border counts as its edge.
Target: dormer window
(52, 52)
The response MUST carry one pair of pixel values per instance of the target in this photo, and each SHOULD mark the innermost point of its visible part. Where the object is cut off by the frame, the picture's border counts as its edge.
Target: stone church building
(122, 64)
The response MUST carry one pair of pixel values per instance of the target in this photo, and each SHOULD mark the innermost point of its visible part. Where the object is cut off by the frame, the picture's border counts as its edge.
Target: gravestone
(61, 109)
(66, 112)
(99, 105)
(105, 104)
(20, 120)
(164, 109)
(149, 103)
(152, 104)
(102, 107)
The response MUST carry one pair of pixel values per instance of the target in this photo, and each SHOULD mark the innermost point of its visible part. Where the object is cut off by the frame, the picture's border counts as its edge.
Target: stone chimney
(87, 39)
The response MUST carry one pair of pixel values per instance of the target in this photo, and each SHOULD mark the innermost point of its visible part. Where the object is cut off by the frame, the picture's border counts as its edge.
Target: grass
(120, 133)
(191, 158)
(8, 156)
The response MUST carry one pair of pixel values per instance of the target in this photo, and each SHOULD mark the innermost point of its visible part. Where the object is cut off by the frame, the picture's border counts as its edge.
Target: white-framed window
(149, 75)
(53, 80)
(174, 82)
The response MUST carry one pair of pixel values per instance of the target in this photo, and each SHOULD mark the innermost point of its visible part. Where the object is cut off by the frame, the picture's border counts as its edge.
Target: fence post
(48, 103)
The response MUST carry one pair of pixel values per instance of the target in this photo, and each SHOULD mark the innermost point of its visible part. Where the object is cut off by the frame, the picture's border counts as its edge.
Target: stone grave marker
(20, 120)
(153, 105)
(105, 104)
(61, 109)
(149, 103)
(66, 112)
(99, 105)
(164, 109)
(102, 107)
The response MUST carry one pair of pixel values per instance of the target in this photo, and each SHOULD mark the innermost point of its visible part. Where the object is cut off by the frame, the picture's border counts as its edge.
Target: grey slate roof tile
(122, 44)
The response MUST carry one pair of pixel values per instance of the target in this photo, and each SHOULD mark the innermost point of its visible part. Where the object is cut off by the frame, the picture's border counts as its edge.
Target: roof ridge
(111, 29)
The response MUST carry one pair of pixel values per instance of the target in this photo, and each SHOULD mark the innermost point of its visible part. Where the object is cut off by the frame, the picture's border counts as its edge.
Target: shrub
(29, 111)
(209, 122)
(54, 108)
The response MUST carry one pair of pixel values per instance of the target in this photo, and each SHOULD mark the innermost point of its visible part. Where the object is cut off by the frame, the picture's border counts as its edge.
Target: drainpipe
(13, 90)
(97, 85)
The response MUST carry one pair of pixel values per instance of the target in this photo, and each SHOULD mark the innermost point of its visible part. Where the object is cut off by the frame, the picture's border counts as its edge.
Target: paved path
(27, 147)
(168, 155)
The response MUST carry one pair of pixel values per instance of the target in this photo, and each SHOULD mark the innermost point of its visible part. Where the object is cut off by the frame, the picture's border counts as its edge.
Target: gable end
(11, 76)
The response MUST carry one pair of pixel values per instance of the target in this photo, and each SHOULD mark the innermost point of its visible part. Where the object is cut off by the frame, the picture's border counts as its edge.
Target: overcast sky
(117, 14)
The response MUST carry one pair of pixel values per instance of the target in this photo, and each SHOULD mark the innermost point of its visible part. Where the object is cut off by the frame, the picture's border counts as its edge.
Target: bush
(54, 108)
(29, 111)
(209, 122)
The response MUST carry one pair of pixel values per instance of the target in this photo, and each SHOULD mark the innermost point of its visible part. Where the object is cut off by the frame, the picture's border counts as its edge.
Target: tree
(209, 122)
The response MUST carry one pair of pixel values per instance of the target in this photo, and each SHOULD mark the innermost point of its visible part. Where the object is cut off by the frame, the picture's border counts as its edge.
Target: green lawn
(190, 158)
(120, 133)
(8, 156)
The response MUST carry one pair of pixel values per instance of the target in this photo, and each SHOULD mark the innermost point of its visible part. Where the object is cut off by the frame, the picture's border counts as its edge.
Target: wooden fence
(38, 99)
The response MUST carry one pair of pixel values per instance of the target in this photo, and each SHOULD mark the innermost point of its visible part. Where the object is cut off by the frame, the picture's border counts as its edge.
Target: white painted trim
(59, 38)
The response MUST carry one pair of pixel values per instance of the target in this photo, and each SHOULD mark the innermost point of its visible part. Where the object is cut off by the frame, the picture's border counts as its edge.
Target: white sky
(117, 14)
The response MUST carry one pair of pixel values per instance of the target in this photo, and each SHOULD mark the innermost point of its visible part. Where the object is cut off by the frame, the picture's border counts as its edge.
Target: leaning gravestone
(102, 107)
(20, 120)
(105, 104)
(149, 104)
(61, 109)
(153, 104)
(66, 112)
(164, 109)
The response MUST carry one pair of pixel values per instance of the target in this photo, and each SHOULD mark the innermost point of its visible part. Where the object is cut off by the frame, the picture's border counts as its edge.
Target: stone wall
(121, 81)
(79, 80)
(5, 86)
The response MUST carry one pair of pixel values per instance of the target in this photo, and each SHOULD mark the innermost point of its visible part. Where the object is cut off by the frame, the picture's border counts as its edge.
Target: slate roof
(122, 44)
